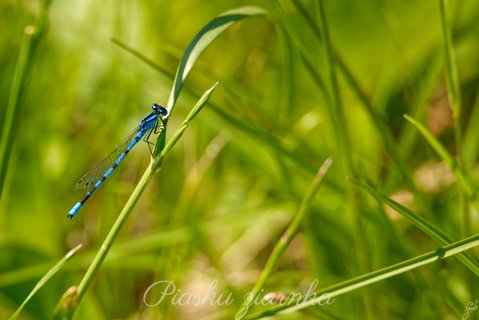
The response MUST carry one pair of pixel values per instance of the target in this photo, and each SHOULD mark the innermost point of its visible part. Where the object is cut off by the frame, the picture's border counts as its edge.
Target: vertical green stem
(344, 144)
(33, 34)
(454, 90)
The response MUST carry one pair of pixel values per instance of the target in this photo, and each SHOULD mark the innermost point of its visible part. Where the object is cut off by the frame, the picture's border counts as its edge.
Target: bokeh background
(232, 184)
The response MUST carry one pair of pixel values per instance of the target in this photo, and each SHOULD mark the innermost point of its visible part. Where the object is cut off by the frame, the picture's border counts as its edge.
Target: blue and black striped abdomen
(96, 176)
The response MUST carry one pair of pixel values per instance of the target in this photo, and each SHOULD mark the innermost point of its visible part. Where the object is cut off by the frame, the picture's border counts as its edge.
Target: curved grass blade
(202, 40)
(265, 138)
(44, 279)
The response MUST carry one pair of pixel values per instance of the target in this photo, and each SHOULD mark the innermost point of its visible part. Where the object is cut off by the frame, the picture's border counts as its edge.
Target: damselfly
(93, 179)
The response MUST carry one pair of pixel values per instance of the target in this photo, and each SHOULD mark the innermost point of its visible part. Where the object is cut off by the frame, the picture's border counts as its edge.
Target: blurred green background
(232, 184)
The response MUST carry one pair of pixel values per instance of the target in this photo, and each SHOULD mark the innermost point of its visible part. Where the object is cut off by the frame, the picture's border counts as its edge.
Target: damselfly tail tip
(74, 210)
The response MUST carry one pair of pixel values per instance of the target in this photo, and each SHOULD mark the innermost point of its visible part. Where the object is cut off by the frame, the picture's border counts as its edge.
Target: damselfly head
(159, 109)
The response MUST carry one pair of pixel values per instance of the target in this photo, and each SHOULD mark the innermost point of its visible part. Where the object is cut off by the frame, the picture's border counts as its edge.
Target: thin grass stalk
(344, 145)
(47, 276)
(454, 90)
(32, 36)
(376, 118)
(452, 79)
(281, 246)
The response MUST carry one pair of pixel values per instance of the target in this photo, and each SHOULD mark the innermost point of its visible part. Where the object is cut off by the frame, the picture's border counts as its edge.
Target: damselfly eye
(159, 109)
(163, 111)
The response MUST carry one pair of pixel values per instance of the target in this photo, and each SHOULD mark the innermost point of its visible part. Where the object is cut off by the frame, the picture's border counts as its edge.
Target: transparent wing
(95, 174)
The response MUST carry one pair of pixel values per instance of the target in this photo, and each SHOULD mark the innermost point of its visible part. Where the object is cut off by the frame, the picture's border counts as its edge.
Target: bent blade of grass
(458, 171)
(45, 279)
(321, 296)
(33, 34)
(428, 228)
(199, 43)
(286, 238)
(265, 138)
(202, 40)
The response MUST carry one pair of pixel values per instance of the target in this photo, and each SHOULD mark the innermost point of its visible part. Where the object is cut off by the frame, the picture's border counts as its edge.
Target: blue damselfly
(93, 179)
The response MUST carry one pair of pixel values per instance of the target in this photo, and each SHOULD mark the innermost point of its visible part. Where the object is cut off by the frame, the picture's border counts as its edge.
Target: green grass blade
(322, 296)
(344, 146)
(454, 93)
(452, 79)
(286, 239)
(428, 228)
(45, 279)
(33, 34)
(286, 93)
(202, 40)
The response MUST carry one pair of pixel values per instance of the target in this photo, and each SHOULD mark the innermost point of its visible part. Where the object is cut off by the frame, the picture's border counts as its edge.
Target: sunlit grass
(303, 81)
